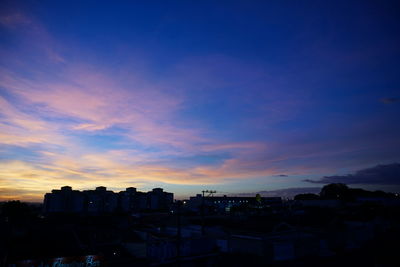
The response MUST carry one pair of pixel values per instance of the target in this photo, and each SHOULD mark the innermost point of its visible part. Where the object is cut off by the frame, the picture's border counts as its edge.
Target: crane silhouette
(209, 192)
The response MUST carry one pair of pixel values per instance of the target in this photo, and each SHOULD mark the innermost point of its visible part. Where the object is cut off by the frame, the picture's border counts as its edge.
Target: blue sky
(235, 96)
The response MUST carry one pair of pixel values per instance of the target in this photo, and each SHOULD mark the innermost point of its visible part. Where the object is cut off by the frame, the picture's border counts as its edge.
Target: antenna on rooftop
(209, 192)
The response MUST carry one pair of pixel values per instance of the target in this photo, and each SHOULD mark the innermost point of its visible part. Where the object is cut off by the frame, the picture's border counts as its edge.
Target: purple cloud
(285, 193)
(390, 100)
(378, 175)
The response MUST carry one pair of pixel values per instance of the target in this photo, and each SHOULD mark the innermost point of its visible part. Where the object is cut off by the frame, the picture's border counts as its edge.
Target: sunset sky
(233, 96)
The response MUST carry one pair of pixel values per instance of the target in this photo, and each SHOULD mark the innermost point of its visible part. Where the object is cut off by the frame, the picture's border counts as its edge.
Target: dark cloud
(282, 175)
(285, 193)
(390, 100)
(378, 175)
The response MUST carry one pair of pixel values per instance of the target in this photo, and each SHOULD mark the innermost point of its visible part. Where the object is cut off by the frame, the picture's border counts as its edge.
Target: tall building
(127, 199)
(64, 200)
(101, 200)
(132, 200)
(159, 200)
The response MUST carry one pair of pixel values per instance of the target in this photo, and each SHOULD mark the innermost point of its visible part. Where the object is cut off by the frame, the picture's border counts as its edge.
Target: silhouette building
(132, 200)
(64, 200)
(224, 203)
(101, 200)
(159, 200)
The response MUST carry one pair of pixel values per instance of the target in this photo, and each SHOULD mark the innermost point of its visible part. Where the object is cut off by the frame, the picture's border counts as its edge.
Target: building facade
(103, 201)
(224, 203)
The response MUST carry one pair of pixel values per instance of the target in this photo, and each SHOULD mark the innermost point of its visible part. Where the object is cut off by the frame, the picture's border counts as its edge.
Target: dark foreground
(295, 233)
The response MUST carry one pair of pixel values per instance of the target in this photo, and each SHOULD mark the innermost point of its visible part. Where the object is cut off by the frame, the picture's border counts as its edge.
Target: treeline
(341, 191)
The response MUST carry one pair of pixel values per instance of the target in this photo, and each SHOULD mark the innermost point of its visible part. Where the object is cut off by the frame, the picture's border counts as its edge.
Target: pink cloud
(80, 99)
(100, 103)
(32, 35)
(14, 20)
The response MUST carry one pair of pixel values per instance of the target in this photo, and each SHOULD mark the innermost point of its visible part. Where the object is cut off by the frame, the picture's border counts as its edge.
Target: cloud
(87, 103)
(97, 102)
(390, 100)
(23, 129)
(17, 193)
(253, 146)
(14, 20)
(378, 175)
(35, 37)
(285, 193)
(87, 122)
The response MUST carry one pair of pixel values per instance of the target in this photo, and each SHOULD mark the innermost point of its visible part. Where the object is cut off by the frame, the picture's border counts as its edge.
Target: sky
(234, 96)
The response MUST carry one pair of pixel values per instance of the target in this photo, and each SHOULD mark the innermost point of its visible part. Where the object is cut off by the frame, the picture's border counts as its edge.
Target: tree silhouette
(334, 191)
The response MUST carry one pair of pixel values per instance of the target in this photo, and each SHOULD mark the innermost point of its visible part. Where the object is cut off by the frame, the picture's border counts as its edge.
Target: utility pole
(178, 236)
(210, 193)
(202, 214)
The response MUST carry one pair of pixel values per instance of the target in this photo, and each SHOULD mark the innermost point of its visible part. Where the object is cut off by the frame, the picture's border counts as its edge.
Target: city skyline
(236, 97)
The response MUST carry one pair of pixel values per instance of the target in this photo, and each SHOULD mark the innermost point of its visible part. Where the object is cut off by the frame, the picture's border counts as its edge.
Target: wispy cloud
(381, 175)
(13, 20)
(284, 193)
(69, 116)
(33, 37)
(390, 100)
